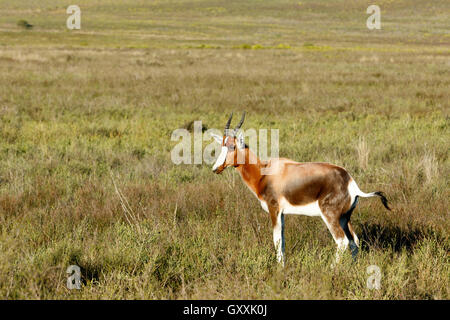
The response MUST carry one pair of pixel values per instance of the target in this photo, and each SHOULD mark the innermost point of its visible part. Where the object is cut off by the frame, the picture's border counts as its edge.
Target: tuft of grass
(24, 24)
(283, 46)
(363, 153)
(430, 166)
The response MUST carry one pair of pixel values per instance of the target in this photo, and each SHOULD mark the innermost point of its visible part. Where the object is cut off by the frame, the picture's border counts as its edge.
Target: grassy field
(86, 118)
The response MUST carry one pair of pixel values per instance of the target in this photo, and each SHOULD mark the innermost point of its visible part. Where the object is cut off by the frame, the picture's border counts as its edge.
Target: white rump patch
(354, 191)
(311, 209)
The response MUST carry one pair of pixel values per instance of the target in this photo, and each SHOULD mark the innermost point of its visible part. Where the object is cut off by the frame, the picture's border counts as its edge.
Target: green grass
(80, 110)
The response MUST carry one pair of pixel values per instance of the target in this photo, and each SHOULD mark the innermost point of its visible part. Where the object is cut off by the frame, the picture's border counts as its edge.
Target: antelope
(284, 186)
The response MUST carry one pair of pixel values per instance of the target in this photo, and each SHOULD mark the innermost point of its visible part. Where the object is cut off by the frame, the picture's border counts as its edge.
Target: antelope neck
(250, 171)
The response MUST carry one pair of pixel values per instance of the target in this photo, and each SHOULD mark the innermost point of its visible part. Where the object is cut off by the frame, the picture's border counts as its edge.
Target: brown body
(300, 184)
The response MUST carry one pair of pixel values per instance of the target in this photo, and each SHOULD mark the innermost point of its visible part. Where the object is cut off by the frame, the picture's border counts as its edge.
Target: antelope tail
(355, 191)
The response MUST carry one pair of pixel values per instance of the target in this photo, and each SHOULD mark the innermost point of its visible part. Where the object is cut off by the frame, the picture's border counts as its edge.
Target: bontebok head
(232, 144)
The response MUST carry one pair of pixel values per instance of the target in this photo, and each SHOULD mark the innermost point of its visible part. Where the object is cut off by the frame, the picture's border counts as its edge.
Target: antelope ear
(240, 140)
(218, 138)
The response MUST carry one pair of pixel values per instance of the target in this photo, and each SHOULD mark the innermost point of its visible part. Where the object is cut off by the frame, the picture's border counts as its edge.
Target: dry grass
(85, 170)
(363, 153)
(430, 166)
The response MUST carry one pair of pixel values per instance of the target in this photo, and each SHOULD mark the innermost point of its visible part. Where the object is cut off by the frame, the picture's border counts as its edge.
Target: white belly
(311, 209)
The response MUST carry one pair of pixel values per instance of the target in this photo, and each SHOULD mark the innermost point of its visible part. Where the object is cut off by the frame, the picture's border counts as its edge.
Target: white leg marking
(278, 239)
(328, 225)
(342, 245)
(355, 238)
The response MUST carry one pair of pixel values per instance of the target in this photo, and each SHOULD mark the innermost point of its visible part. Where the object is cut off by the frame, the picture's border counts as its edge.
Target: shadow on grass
(90, 273)
(396, 238)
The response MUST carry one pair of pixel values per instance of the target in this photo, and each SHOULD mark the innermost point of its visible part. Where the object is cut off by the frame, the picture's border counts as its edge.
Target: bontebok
(284, 186)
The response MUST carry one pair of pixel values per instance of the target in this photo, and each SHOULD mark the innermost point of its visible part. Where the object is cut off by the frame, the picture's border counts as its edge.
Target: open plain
(86, 118)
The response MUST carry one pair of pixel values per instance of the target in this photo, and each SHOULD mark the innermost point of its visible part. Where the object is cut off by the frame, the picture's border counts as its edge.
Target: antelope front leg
(278, 236)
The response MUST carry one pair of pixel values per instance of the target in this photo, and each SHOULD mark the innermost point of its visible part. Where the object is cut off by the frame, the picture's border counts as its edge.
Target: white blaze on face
(221, 159)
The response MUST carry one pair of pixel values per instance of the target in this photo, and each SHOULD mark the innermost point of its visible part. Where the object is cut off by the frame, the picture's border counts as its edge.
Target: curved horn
(227, 126)
(240, 123)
